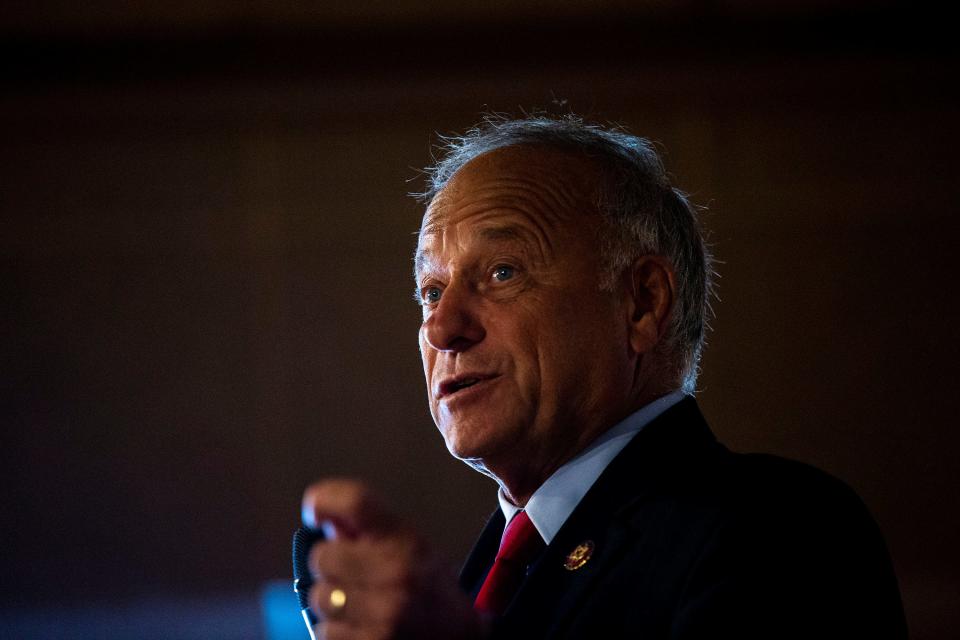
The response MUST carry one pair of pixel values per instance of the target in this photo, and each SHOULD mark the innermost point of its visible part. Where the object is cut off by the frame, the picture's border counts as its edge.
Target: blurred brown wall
(205, 268)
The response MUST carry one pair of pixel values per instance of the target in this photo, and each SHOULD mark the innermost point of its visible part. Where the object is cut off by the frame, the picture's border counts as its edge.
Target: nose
(454, 324)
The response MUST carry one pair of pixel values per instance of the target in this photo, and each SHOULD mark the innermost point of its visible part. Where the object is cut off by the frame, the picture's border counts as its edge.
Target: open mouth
(463, 384)
(451, 387)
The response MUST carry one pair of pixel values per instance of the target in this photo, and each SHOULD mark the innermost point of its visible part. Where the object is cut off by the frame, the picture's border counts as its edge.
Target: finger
(363, 608)
(338, 630)
(335, 630)
(349, 505)
(335, 562)
(371, 562)
(327, 609)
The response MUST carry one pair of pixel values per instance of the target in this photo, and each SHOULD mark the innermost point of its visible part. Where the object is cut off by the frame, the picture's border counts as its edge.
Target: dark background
(205, 262)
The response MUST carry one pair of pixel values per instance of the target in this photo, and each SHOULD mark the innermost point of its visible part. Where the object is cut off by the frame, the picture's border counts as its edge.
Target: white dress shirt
(551, 504)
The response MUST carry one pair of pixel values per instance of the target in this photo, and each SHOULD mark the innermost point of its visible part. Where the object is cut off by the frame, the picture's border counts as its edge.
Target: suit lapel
(481, 557)
(605, 520)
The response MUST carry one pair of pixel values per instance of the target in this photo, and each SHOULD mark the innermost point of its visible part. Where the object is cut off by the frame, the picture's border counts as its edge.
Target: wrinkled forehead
(550, 187)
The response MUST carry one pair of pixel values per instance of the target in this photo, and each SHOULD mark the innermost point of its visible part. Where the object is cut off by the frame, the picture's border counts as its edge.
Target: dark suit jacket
(694, 541)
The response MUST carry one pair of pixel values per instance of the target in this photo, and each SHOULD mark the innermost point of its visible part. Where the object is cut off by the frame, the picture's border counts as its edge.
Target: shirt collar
(551, 504)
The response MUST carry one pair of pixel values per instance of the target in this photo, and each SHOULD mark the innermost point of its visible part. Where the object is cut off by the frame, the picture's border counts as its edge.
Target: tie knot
(521, 540)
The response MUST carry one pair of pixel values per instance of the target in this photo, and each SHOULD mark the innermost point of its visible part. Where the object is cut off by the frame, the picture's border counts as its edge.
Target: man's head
(563, 283)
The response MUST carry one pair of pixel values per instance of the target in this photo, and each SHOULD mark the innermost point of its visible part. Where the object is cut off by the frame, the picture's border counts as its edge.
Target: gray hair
(643, 213)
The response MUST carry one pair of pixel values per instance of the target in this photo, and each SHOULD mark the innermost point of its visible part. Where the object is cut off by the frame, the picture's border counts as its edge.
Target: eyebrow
(505, 233)
(490, 234)
(420, 261)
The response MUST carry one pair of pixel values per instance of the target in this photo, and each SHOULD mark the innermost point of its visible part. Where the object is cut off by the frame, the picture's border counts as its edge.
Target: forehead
(507, 190)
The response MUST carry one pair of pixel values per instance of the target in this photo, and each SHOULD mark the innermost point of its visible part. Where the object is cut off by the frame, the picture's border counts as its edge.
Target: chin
(462, 450)
(475, 445)
(470, 458)
(464, 443)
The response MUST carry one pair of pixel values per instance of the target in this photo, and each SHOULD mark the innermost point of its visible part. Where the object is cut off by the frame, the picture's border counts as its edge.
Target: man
(564, 285)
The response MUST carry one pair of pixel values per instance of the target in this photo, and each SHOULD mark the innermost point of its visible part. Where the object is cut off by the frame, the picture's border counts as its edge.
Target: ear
(651, 291)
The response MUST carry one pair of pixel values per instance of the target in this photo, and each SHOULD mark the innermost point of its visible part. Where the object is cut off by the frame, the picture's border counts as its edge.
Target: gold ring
(337, 600)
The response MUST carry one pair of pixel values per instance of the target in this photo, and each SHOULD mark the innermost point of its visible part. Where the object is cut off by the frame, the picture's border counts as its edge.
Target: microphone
(303, 539)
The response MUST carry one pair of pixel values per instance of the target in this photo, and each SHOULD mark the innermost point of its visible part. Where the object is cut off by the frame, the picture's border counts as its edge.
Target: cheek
(427, 356)
(531, 350)
(571, 347)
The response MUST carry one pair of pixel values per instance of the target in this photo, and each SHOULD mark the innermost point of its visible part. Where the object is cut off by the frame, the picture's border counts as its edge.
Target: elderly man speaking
(565, 285)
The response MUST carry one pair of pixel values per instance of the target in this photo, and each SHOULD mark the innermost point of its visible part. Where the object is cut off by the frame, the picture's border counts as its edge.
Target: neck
(520, 475)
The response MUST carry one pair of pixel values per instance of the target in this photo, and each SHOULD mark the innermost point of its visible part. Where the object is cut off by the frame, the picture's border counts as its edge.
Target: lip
(450, 387)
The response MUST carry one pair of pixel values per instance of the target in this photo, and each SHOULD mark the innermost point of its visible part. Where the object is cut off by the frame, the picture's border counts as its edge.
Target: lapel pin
(579, 556)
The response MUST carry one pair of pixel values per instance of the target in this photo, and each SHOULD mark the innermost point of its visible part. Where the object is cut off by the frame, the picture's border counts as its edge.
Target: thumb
(346, 508)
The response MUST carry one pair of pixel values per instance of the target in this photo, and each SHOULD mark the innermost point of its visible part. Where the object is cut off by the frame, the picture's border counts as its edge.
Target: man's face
(525, 358)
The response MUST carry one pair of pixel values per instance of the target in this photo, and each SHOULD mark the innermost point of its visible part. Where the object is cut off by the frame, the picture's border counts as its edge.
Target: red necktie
(520, 545)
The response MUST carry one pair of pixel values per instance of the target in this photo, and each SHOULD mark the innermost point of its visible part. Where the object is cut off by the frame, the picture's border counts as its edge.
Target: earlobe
(651, 287)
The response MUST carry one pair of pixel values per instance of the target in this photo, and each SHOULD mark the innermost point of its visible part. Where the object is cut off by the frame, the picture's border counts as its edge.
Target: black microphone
(303, 539)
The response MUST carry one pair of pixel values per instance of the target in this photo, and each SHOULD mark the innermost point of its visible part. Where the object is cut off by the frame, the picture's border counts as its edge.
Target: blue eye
(503, 272)
(431, 295)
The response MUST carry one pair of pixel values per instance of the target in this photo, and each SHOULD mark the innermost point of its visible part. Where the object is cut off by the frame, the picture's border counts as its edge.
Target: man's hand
(394, 587)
